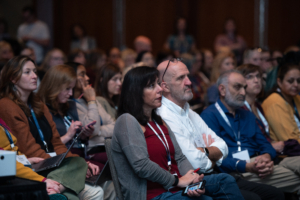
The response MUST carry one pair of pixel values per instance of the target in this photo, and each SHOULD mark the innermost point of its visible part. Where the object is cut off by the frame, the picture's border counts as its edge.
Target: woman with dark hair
(253, 76)
(282, 107)
(230, 39)
(32, 125)
(180, 42)
(148, 159)
(78, 56)
(95, 60)
(108, 88)
(80, 40)
(146, 57)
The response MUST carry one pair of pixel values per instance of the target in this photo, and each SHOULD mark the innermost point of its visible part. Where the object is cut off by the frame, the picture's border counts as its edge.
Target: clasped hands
(262, 165)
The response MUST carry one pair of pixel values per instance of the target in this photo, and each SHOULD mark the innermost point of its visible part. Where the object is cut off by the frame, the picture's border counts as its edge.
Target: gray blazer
(131, 158)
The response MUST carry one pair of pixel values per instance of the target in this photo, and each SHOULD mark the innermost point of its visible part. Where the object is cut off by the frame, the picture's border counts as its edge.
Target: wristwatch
(176, 181)
(206, 151)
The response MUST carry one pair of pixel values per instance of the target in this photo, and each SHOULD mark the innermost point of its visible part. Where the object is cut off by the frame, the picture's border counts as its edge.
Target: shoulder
(41, 24)
(101, 100)
(210, 110)
(127, 119)
(8, 105)
(273, 99)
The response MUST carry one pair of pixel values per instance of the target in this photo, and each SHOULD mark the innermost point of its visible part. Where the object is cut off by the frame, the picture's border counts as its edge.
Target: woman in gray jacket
(148, 160)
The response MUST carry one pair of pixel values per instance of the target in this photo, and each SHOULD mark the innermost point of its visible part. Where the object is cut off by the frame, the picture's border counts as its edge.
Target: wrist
(91, 102)
(176, 181)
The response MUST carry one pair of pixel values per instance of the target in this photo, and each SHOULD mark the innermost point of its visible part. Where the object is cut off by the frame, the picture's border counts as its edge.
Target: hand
(263, 159)
(73, 128)
(278, 146)
(52, 186)
(208, 141)
(88, 92)
(267, 170)
(88, 131)
(35, 160)
(187, 179)
(92, 170)
(198, 192)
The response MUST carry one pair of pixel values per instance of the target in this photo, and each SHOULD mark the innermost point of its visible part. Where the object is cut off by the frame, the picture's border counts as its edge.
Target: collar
(237, 113)
(175, 108)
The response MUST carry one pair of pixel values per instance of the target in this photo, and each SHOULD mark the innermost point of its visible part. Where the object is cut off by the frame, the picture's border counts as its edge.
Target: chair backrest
(113, 170)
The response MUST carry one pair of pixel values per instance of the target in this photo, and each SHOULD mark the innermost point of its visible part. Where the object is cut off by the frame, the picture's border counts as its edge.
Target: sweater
(104, 123)
(280, 116)
(108, 108)
(16, 119)
(22, 171)
(131, 158)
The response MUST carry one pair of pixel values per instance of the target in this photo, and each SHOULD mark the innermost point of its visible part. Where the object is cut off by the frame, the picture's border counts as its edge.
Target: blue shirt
(251, 137)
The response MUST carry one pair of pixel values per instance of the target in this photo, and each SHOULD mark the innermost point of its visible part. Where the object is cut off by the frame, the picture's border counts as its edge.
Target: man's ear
(164, 86)
(222, 90)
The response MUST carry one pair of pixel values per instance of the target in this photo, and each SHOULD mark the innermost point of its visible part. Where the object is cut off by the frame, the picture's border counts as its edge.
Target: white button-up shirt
(188, 126)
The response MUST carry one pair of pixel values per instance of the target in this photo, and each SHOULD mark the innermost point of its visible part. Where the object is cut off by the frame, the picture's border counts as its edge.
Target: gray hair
(223, 78)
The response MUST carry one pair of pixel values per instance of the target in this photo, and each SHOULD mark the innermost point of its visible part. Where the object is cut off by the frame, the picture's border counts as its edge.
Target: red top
(158, 154)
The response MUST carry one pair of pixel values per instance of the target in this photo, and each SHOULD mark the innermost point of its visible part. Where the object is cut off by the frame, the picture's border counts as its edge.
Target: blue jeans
(218, 186)
(177, 195)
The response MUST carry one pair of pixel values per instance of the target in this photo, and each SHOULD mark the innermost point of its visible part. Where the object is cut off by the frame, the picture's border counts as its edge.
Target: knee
(226, 178)
(98, 193)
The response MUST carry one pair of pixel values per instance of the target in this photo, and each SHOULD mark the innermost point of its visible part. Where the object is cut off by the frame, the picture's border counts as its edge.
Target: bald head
(142, 43)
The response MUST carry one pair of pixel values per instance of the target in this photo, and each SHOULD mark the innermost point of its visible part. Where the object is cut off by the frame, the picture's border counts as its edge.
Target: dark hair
(74, 37)
(284, 69)
(131, 99)
(176, 25)
(29, 9)
(93, 57)
(101, 83)
(13, 70)
(140, 56)
(246, 69)
(74, 53)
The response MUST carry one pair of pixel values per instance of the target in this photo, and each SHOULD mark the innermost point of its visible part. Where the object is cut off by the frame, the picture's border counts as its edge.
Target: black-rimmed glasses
(171, 60)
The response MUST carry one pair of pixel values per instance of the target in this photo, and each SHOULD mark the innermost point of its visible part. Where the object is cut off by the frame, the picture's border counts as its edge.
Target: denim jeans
(218, 186)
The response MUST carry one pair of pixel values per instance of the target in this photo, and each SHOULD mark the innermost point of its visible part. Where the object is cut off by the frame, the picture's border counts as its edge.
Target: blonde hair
(54, 81)
(216, 65)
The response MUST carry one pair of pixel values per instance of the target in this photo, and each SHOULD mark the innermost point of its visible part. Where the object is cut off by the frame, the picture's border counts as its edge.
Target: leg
(178, 196)
(222, 186)
(91, 193)
(291, 163)
(109, 190)
(249, 195)
(282, 178)
(262, 191)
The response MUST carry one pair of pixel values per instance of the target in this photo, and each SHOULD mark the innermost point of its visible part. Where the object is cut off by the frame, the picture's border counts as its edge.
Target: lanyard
(166, 145)
(237, 137)
(39, 128)
(67, 122)
(12, 145)
(261, 116)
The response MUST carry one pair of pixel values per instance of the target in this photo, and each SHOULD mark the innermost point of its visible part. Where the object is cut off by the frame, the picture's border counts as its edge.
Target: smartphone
(195, 186)
(92, 123)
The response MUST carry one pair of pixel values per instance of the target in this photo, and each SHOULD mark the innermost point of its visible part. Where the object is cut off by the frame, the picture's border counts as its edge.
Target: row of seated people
(134, 134)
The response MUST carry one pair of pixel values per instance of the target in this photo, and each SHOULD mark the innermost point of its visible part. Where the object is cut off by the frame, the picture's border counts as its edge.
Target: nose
(119, 82)
(34, 75)
(243, 91)
(159, 89)
(70, 92)
(187, 81)
(86, 78)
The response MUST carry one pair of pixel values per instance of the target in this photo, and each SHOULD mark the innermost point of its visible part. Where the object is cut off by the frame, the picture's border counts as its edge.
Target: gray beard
(230, 101)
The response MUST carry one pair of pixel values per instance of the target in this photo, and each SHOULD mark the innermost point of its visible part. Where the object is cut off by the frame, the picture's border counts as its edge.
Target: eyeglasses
(251, 77)
(171, 60)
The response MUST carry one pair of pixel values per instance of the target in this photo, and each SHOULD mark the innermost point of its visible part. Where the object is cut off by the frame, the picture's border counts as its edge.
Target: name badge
(199, 142)
(22, 159)
(52, 154)
(242, 155)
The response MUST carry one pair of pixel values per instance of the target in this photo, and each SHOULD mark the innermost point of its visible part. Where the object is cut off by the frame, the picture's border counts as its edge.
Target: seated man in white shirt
(203, 148)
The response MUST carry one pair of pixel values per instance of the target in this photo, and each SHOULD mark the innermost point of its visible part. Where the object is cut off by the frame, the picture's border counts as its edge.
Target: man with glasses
(250, 154)
(203, 148)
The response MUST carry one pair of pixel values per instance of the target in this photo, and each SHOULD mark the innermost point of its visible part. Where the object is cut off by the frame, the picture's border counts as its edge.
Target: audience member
(244, 139)
(231, 39)
(253, 56)
(6, 52)
(115, 57)
(128, 56)
(27, 51)
(34, 33)
(253, 77)
(281, 107)
(89, 109)
(4, 30)
(153, 165)
(8, 142)
(275, 56)
(108, 88)
(203, 148)
(80, 39)
(32, 125)
(77, 56)
(180, 42)
(95, 60)
(266, 61)
(146, 57)
(208, 61)
(142, 43)
(222, 62)
(291, 48)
